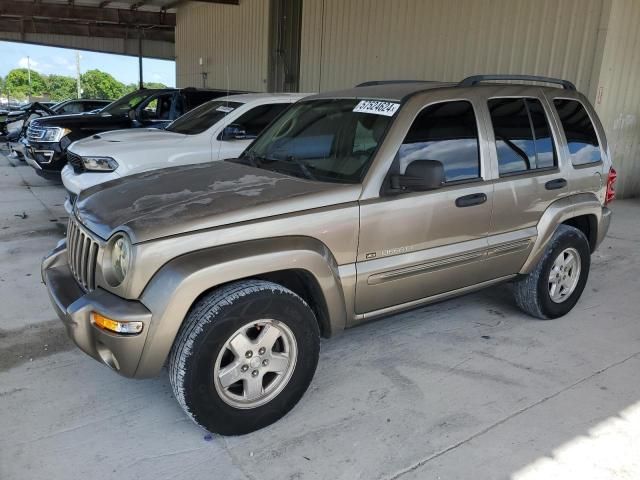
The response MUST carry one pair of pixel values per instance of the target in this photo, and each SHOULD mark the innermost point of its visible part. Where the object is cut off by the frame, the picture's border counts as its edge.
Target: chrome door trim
(437, 264)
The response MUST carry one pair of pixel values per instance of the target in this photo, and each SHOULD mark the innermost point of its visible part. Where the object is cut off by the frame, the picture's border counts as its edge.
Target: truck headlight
(54, 134)
(99, 164)
(119, 259)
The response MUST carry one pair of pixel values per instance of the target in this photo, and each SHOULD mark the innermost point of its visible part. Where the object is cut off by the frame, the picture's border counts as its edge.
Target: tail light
(611, 186)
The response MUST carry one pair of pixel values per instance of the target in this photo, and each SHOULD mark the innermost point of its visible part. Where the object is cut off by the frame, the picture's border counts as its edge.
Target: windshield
(126, 103)
(203, 117)
(327, 140)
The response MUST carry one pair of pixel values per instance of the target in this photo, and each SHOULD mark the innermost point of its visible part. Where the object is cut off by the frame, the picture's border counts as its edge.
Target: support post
(78, 82)
(29, 76)
(140, 58)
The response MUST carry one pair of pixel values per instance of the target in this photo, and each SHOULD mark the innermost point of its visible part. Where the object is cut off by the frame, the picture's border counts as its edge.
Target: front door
(420, 244)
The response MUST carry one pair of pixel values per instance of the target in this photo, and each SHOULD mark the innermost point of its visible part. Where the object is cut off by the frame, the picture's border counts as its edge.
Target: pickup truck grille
(76, 162)
(82, 252)
(35, 133)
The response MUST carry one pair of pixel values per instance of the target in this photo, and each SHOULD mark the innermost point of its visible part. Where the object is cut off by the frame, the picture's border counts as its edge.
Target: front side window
(522, 134)
(203, 117)
(158, 108)
(581, 136)
(257, 119)
(321, 140)
(126, 103)
(446, 132)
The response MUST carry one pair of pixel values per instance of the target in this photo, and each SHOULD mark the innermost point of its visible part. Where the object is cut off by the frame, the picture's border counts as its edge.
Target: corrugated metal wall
(232, 40)
(618, 94)
(150, 49)
(346, 42)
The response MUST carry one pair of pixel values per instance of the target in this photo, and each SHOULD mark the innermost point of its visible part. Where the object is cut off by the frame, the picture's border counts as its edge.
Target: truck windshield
(126, 103)
(200, 118)
(327, 140)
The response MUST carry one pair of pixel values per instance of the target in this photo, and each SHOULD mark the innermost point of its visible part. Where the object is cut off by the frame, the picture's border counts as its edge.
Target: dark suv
(48, 138)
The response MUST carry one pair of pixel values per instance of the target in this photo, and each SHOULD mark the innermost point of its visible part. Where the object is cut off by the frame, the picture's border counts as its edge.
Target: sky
(62, 61)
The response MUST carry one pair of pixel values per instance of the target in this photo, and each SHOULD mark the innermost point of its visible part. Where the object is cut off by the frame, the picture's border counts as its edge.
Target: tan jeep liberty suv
(349, 206)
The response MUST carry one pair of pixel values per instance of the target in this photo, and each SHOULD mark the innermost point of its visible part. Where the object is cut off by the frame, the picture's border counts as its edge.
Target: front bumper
(19, 148)
(74, 306)
(47, 157)
(76, 182)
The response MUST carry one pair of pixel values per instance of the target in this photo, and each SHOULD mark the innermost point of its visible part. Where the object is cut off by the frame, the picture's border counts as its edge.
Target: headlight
(99, 164)
(54, 134)
(120, 259)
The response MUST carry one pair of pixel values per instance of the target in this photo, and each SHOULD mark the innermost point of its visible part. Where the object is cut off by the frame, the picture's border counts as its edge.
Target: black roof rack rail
(387, 82)
(475, 79)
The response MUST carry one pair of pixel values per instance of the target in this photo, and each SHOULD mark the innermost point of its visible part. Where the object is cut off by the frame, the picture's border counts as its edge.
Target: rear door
(530, 176)
(421, 244)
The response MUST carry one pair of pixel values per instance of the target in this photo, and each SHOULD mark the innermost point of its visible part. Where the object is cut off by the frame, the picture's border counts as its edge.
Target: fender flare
(557, 213)
(177, 285)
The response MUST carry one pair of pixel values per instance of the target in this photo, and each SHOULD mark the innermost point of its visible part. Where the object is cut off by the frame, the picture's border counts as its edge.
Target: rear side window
(522, 133)
(581, 136)
(447, 132)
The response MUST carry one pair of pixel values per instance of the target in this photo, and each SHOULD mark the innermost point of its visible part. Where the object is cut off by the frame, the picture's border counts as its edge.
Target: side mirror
(420, 175)
(233, 132)
(134, 115)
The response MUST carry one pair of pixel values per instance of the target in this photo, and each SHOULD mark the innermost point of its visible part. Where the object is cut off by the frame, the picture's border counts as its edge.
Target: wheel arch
(582, 211)
(302, 264)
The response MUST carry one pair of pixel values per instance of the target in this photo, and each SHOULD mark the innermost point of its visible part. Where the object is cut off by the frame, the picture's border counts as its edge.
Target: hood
(81, 120)
(119, 141)
(184, 199)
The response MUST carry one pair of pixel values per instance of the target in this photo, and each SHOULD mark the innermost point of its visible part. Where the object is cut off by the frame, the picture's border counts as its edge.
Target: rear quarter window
(582, 139)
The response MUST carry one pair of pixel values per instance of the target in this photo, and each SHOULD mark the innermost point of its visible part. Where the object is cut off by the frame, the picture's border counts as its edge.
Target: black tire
(531, 292)
(212, 321)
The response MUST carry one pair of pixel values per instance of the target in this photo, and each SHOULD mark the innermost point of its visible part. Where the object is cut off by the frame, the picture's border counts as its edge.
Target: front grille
(82, 252)
(76, 162)
(35, 133)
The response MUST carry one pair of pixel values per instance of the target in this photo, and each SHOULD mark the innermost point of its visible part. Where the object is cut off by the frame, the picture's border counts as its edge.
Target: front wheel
(244, 356)
(554, 286)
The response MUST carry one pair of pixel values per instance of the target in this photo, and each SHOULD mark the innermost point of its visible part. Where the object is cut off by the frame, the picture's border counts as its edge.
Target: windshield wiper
(303, 168)
(258, 161)
(253, 159)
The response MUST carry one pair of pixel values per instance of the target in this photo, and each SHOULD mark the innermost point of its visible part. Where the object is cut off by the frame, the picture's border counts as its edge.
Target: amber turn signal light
(114, 325)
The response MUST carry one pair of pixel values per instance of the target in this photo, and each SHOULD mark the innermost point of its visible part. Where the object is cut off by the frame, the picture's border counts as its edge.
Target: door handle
(555, 184)
(470, 200)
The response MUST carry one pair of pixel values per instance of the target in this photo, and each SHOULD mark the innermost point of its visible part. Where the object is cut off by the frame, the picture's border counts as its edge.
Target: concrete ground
(469, 388)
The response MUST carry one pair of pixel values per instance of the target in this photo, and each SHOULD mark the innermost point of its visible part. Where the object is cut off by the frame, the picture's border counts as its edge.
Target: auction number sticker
(377, 107)
(224, 109)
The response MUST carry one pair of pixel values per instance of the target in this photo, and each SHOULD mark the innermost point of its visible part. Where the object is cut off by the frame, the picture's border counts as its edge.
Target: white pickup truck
(217, 130)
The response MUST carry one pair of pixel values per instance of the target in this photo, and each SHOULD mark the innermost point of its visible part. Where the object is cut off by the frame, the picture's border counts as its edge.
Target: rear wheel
(554, 286)
(244, 356)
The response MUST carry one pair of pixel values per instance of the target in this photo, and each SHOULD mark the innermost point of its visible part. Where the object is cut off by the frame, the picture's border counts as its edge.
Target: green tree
(132, 87)
(17, 83)
(154, 85)
(97, 84)
(61, 87)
